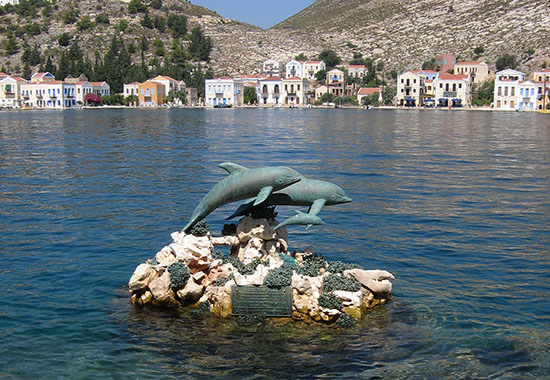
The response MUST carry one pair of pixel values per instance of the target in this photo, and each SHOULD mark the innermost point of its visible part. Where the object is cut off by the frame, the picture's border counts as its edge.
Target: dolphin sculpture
(301, 218)
(307, 192)
(243, 183)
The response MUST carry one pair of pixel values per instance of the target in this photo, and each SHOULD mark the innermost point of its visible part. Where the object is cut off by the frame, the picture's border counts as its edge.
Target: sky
(261, 13)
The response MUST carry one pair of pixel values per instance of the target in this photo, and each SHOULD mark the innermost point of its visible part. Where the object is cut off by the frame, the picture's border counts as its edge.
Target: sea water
(455, 204)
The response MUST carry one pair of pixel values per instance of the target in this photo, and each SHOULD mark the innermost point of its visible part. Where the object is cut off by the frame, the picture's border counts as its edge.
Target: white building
(170, 84)
(506, 89)
(451, 90)
(295, 91)
(10, 91)
(271, 68)
(312, 67)
(224, 92)
(49, 95)
(357, 71)
(130, 89)
(101, 88)
(527, 99)
(294, 68)
(12, 2)
(269, 91)
(542, 79)
(81, 89)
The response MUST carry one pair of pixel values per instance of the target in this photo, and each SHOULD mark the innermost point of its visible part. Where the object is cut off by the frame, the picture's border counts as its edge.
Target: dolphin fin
(316, 206)
(231, 167)
(309, 226)
(263, 194)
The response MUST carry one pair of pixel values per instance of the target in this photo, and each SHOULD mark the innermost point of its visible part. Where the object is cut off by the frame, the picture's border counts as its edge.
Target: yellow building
(478, 72)
(151, 94)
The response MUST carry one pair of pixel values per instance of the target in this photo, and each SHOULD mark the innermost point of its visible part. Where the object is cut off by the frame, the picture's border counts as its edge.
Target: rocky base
(190, 272)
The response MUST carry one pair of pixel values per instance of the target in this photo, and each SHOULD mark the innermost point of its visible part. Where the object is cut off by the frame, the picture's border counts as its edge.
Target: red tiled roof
(97, 83)
(273, 78)
(312, 62)
(368, 90)
(293, 78)
(469, 63)
(356, 66)
(543, 71)
(447, 76)
(223, 78)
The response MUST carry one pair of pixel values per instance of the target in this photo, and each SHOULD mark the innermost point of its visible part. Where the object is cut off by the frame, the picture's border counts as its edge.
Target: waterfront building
(294, 68)
(224, 92)
(451, 90)
(10, 91)
(527, 99)
(269, 91)
(364, 91)
(542, 80)
(170, 84)
(336, 82)
(42, 77)
(445, 62)
(506, 89)
(82, 88)
(151, 94)
(271, 68)
(48, 94)
(410, 88)
(130, 89)
(295, 91)
(312, 67)
(320, 91)
(101, 88)
(357, 71)
(477, 71)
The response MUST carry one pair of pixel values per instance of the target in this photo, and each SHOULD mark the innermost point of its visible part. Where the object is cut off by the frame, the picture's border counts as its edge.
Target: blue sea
(455, 204)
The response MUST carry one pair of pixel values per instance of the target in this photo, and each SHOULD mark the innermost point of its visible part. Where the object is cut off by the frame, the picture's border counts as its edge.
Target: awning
(429, 100)
(409, 99)
(457, 100)
(443, 99)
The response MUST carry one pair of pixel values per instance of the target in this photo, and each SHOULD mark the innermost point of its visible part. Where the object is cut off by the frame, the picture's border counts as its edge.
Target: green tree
(136, 6)
(483, 94)
(27, 71)
(357, 59)
(33, 29)
(31, 56)
(85, 23)
(178, 25)
(200, 46)
(388, 94)
(371, 100)
(64, 39)
(102, 19)
(321, 76)
(157, 4)
(71, 15)
(122, 25)
(160, 23)
(146, 21)
(159, 47)
(11, 47)
(506, 61)
(429, 65)
(330, 58)
(479, 50)
(301, 57)
(250, 96)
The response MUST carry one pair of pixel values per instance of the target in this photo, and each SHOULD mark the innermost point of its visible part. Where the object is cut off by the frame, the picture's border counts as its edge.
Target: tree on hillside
(200, 46)
(507, 61)
(330, 58)
(479, 50)
(250, 96)
(429, 65)
(388, 94)
(357, 59)
(321, 76)
(178, 25)
(301, 57)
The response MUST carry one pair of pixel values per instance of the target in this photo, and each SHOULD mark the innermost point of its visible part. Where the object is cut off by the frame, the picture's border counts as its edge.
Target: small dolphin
(301, 218)
(308, 192)
(243, 183)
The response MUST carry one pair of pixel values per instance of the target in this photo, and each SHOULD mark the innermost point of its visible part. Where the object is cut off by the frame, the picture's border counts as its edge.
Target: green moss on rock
(179, 274)
(200, 229)
(340, 267)
(311, 265)
(346, 321)
(339, 282)
(330, 301)
(279, 277)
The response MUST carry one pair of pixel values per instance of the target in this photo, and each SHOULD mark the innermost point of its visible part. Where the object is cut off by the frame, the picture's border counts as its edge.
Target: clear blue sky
(262, 13)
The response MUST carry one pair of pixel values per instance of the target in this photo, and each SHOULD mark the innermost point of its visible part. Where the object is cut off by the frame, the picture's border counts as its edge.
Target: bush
(339, 282)
(340, 267)
(345, 321)
(85, 23)
(179, 274)
(279, 277)
(311, 265)
(200, 229)
(330, 301)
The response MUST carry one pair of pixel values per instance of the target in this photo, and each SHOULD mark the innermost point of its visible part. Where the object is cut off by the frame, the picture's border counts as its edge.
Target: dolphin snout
(345, 200)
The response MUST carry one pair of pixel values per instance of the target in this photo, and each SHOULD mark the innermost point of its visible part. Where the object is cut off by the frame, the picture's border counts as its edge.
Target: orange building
(151, 94)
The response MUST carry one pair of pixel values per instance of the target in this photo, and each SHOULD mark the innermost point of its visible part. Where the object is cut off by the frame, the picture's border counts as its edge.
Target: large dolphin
(243, 183)
(307, 192)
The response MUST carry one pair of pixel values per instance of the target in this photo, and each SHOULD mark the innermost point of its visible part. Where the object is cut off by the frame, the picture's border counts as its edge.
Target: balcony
(218, 92)
(9, 95)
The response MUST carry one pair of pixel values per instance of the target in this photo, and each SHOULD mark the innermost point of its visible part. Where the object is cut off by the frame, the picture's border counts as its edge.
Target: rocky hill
(401, 34)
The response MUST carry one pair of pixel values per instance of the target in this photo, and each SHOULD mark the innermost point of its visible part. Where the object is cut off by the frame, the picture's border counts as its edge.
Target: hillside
(404, 34)
(399, 33)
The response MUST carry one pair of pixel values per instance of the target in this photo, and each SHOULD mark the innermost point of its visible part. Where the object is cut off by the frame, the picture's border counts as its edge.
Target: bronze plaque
(261, 300)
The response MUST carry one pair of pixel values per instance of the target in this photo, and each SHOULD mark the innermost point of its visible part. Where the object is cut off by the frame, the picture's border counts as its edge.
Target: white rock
(160, 287)
(164, 253)
(143, 276)
(349, 299)
(231, 240)
(377, 281)
(216, 263)
(198, 277)
(177, 236)
(198, 246)
(301, 284)
(250, 227)
(257, 278)
(191, 291)
(168, 260)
